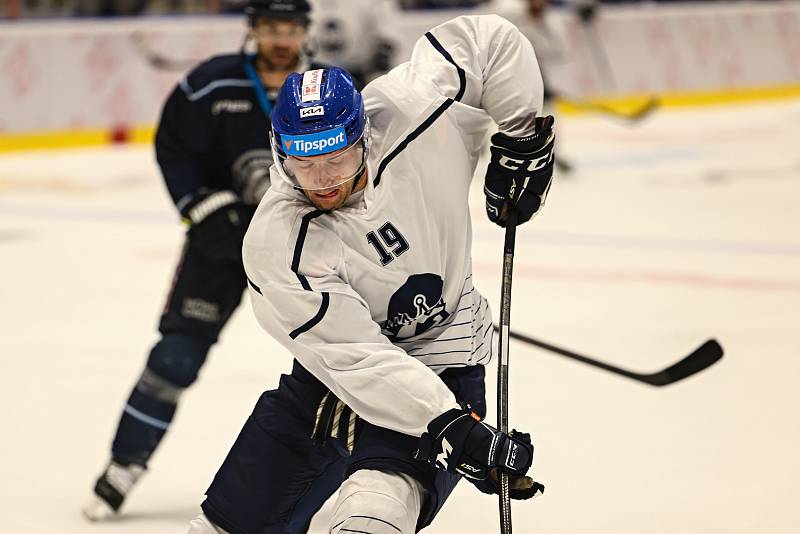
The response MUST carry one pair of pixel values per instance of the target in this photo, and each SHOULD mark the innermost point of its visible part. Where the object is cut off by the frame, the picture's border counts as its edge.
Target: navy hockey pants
(275, 477)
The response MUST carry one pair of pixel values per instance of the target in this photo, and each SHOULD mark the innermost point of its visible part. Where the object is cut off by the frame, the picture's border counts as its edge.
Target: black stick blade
(645, 110)
(705, 356)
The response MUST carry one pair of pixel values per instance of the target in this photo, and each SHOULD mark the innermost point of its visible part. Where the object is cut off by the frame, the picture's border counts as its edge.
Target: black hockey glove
(519, 173)
(520, 487)
(250, 178)
(459, 442)
(217, 223)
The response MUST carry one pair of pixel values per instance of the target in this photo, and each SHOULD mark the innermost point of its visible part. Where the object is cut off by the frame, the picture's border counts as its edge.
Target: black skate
(111, 489)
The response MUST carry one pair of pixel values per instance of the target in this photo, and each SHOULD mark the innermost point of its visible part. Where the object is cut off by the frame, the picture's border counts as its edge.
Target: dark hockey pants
(276, 477)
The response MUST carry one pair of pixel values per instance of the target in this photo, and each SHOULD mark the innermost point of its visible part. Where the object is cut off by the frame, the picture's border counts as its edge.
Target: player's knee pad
(173, 365)
(201, 525)
(377, 502)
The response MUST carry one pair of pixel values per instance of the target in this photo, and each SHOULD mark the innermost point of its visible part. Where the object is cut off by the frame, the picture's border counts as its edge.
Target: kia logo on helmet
(312, 111)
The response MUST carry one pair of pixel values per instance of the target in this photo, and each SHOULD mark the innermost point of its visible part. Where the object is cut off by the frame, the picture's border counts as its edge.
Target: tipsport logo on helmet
(314, 144)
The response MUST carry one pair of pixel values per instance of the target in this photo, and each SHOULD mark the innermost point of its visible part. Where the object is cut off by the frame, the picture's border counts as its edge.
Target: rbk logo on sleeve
(314, 144)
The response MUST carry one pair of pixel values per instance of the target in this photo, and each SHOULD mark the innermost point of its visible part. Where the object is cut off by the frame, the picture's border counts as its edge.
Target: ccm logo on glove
(532, 164)
(519, 173)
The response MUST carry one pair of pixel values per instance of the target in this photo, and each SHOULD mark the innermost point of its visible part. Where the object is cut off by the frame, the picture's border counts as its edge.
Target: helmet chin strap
(362, 170)
(361, 173)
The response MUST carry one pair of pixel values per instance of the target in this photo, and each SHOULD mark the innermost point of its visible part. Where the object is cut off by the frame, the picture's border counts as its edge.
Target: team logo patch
(415, 307)
(312, 111)
(310, 90)
(314, 144)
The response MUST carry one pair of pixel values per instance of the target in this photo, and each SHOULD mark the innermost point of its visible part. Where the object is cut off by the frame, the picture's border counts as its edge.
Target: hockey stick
(701, 358)
(502, 366)
(156, 60)
(602, 62)
(633, 116)
(601, 59)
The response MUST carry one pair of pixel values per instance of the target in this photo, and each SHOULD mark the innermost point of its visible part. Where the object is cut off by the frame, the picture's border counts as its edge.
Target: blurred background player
(356, 35)
(532, 17)
(213, 149)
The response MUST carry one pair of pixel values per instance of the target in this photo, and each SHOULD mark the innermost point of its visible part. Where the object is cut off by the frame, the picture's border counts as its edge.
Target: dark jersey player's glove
(519, 173)
(217, 223)
(459, 442)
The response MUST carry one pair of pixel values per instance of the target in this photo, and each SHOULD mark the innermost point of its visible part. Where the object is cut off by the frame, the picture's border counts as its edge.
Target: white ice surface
(683, 228)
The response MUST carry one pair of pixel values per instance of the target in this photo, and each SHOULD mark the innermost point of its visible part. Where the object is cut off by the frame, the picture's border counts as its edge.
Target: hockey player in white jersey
(358, 262)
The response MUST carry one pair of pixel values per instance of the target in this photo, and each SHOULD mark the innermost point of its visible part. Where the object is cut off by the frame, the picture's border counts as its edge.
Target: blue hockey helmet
(319, 112)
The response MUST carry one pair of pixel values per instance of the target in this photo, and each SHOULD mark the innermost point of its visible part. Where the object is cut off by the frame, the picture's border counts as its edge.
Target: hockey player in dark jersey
(213, 149)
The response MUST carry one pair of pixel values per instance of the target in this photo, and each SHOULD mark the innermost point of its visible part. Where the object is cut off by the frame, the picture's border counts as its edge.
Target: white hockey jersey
(376, 297)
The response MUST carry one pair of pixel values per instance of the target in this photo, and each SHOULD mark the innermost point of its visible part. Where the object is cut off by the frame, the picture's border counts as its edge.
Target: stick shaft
(502, 365)
(601, 58)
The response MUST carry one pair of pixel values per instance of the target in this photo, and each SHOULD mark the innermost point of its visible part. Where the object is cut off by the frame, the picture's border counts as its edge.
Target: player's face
(333, 199)
(328, 180)
(279, 42)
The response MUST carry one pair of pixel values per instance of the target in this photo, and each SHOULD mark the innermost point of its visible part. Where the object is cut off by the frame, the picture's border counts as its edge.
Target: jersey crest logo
(415, 307)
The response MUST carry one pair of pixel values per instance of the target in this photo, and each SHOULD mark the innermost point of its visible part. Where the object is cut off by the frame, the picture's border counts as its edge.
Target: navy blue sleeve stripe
(298, 247)
(298, 250)
(413, 135)
(462, 76)
(314, 320)
(432, 118)
(254, 286)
